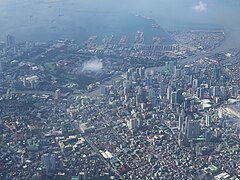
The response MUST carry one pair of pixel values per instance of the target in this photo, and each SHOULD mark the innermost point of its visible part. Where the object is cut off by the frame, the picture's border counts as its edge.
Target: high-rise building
(234, 90)
(216, 72)
(220, 113)
(197, 69)
(149, 81)
(10, 41)
(139, 123)
(169, 92)
(132, 123)
(190, 78)
(143, 94)
(138, 99)
(129, 74)
(211, 91)
(180, 122)
(193, 129)
(53, 162)
(49, 162)
(200, 92)
(173, 98)
(126, 84)
(162, 89)
(208, 120)
(24, 81)
(57, 94)
(223, 92)
(142, 72)
(103, 90)
(154, 101)
(171, 67)
(178, 72)
(183, 113)
(180, 98)
(216, 91)
(152, 96)
(1, 66)
(9, 93)
(82, 176)
(195, 83)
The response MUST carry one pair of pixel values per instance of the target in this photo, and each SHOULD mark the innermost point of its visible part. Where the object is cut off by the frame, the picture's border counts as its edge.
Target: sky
(19, 15)
(171, 11)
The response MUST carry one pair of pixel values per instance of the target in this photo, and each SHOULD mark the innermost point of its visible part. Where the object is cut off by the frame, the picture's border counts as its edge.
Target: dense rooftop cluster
(160, 120)
(199, 40)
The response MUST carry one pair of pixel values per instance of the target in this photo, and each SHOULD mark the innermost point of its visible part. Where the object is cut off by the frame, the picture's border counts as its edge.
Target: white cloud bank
(93, 65)
(200, 7)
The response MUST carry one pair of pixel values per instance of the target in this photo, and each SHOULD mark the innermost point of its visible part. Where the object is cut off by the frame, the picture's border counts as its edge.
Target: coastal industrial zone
(106, 110)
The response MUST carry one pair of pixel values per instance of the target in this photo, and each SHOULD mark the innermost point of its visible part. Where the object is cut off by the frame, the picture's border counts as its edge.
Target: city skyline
(103, 90)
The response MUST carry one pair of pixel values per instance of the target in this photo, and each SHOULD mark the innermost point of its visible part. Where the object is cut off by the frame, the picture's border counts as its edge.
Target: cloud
(93, 65)
(200, 7)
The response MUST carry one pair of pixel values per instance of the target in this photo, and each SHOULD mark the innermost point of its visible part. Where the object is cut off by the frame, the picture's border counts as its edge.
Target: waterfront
(108, 110)
(60, 20)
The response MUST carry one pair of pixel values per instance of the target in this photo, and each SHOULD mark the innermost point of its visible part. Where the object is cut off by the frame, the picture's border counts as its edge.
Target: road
(88, 140)
(100, 155)
(231, 111)
(33, 92)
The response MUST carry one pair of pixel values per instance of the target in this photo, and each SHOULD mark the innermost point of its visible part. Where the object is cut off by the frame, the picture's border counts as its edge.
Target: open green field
(50, 67)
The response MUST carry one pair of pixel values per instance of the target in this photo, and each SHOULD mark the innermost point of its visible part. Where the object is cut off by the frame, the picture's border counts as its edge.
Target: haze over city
(119, 90)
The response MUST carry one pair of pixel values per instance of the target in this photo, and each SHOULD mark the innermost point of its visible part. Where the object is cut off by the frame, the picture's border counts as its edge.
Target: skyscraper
(193, 129)
(169, 92)
(220, 112)
(57, 94)
(234, 90)
(142, 72)
(216, 91)
(1, 66)
(200, 92)
(171, 67)
(149, 81)
(179, 98)
(180, 122)
(173, 98)
(82, 175)
(195, 83)
(132, 124)
(10, 41)
(49, 162)
(208, 119)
